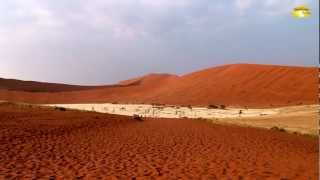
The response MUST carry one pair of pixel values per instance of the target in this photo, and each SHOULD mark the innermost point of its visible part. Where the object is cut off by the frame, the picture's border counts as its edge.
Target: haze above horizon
(103, 42)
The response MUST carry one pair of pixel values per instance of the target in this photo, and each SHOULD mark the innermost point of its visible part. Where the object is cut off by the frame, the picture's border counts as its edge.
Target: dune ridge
(249, 85)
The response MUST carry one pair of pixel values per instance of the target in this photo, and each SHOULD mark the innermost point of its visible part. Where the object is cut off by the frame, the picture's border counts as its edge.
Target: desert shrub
(60, 108)
(211, 106)
(158, 104)
(282, 130)
(52, 178)
(137, 117)
(189, 106)
(222, 106)
(275, 128)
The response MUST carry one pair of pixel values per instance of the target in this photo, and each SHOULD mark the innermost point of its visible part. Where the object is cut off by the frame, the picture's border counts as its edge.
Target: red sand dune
(32, 86)
(235, 85)
(148, 79)
(42, 143)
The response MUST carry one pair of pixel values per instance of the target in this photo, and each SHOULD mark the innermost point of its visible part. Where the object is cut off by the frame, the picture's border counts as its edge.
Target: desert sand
(43, 143)
(241, 85)
(293, 119)
(33, 86)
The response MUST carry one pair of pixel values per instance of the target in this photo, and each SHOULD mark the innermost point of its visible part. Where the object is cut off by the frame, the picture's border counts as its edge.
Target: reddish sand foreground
(242, 85)
(43, 143)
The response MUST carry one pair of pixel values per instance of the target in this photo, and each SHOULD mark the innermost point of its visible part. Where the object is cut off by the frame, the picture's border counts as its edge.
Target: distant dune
(32, 86)
(247, 85)
(148, 79)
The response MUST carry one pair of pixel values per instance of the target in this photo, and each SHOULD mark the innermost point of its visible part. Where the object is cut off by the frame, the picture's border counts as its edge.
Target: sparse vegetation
(222, 106)
(157, 104)
(211, 106)
(275, 128)
(137, 117)
(60, 108)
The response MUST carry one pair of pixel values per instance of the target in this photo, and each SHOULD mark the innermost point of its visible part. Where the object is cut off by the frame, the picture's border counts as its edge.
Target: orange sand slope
(43, 143)
(234, 85)
(32, 86)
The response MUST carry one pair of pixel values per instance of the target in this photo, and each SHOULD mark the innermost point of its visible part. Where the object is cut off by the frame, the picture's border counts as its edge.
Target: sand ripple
(39, 143)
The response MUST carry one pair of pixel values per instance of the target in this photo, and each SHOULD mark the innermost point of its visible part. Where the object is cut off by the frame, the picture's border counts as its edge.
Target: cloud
(243, 5)
(283, 7)
(115, 39)
(34, 12)
(267, 7)
(165, 3)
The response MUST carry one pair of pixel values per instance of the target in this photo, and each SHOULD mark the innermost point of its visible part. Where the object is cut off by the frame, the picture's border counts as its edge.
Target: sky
(105, 41)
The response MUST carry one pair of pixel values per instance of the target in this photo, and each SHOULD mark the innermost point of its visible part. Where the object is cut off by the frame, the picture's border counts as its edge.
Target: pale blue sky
(104, 41)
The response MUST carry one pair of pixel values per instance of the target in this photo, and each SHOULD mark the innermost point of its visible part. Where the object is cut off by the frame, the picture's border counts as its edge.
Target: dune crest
(248, 85)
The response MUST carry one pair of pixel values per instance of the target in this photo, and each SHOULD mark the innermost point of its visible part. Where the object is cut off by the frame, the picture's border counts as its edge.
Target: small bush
(211, 106)
(275, 128)
(222, 106)
(137, 117)
(282, 130)
(60, 108)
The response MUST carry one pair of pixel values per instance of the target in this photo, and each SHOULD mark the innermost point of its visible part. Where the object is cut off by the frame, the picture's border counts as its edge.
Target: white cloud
(283, 7)
(267, 7)
(37, 11)
(164, 3)
(157, 30)
(243, 5)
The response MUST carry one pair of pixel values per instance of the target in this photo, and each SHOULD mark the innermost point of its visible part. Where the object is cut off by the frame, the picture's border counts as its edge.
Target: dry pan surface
(43, 143)
(301, 119)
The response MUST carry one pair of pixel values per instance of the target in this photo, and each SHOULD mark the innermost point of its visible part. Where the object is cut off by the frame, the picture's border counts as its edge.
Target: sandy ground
(43, 143)
(301, 119)
(304, 123)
